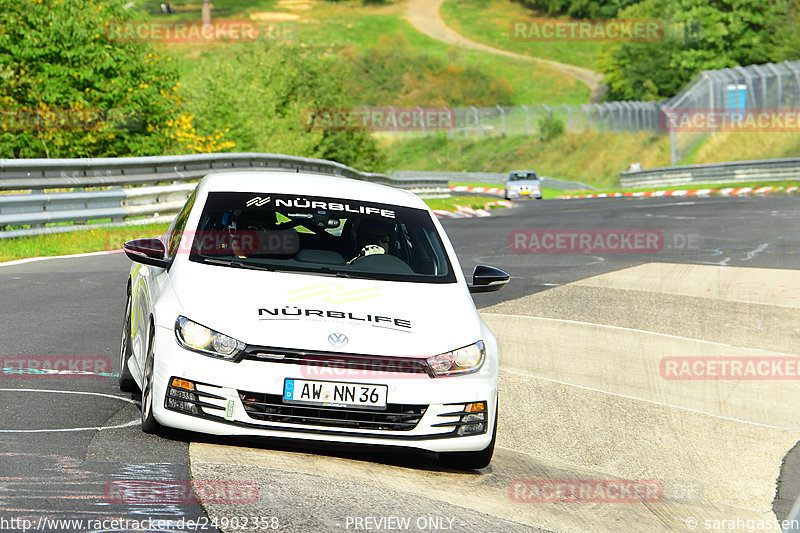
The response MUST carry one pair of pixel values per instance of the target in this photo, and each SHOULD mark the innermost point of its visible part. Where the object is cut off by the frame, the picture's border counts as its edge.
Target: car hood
(293, 310)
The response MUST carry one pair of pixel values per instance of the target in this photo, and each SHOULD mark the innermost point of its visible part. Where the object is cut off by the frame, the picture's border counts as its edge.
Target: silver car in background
(523, 184)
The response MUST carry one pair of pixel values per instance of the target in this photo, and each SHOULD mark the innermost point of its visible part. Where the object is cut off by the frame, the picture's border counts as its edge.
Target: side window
(176, 231)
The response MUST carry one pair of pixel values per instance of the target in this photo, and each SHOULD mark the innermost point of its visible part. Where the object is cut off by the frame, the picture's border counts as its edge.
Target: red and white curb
(738, 191)
(468, 212)
(494, 191)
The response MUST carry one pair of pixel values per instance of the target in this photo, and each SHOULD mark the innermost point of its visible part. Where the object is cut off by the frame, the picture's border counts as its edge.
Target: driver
(371, 238)
(249, 227)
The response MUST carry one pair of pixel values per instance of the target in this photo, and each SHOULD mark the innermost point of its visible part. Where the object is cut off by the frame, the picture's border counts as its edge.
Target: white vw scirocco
(313, 307)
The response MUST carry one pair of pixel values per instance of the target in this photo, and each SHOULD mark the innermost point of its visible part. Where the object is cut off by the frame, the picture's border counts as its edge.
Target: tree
(699, 35)
(69, 88)
(265, 93)
(587, 9)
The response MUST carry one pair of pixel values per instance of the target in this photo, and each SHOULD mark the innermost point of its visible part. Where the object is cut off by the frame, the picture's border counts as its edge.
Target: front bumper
(425, 406)
(523, 193)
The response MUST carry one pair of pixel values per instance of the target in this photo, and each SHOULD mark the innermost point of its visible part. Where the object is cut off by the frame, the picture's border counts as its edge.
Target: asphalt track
(581, 337)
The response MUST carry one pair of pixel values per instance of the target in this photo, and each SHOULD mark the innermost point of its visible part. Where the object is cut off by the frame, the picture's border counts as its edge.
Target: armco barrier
(127, 199)
(487, 177)
(738, 171)
(27, 174)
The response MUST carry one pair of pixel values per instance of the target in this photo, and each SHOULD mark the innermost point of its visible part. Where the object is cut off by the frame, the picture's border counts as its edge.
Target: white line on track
(622, 328)
(35, 259)
(62, 430)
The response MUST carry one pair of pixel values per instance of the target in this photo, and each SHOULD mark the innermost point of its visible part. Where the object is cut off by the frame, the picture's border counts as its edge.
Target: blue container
(737, 100)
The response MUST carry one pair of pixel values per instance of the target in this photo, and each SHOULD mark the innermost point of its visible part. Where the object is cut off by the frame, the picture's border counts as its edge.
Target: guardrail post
(477, 121)
(422, 121)
(569, 116)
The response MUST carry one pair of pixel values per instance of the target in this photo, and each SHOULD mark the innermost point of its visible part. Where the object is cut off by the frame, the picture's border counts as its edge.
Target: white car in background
(313, 307)
(523, 184)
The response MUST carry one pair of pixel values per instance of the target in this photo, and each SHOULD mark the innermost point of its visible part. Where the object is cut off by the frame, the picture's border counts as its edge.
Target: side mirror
(488, 279)
(147, 252)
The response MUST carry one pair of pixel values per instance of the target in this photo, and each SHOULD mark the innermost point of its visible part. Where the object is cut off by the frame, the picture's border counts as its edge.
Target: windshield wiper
(237, 264)
(351, 275)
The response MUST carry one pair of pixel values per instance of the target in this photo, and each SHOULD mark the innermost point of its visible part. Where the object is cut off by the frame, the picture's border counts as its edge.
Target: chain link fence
(773, 87)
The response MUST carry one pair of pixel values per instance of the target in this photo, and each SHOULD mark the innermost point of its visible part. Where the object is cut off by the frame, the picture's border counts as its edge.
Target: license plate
(523, 193)
(334, 394)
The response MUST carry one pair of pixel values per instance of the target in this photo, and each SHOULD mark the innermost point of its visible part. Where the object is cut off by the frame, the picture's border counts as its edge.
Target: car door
(149, 283)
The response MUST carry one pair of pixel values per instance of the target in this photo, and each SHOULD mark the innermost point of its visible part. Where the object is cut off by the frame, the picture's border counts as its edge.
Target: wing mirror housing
(147, 252)
(488, 279)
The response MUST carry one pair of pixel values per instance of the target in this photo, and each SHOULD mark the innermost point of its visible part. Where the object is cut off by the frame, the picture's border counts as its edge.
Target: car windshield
(522, 176)
(327, 236)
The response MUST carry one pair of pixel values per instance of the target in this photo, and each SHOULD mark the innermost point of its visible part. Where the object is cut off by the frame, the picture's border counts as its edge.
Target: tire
(126, 381)
(471, 460)
(149, 422)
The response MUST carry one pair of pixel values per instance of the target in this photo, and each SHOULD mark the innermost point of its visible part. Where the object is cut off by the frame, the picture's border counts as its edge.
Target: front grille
(335, 360)
(270, 408)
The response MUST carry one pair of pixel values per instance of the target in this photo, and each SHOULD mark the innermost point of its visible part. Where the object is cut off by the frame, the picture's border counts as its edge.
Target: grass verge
(595, 158)
(341, 27)
(76, 242)
(489, 22)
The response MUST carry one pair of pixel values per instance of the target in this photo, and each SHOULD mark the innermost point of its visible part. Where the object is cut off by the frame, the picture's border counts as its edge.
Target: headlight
(193, 336)
(462, 361)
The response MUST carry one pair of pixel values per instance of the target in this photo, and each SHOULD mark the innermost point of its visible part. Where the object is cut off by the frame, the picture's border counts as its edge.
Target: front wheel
(126, 381)
(149, 422)
(471, 460)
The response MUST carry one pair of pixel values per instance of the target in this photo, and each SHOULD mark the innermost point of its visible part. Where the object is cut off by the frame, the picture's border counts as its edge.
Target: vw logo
(338, 339)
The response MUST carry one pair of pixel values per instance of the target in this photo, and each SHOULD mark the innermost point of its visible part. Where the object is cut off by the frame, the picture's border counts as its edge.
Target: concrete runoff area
(292, 485)
(583, 397)
(602, 367)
